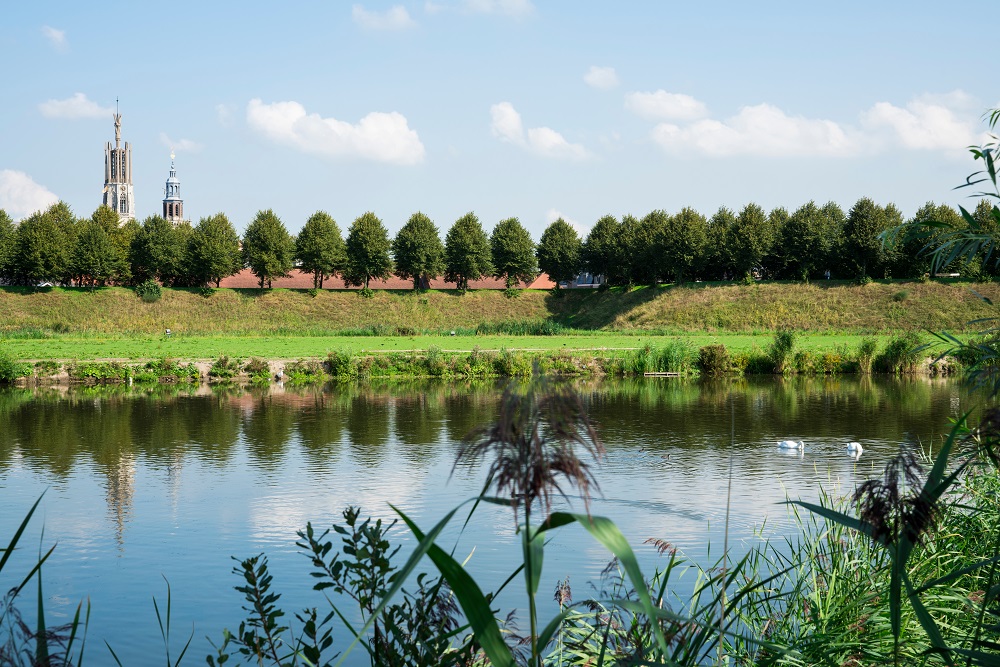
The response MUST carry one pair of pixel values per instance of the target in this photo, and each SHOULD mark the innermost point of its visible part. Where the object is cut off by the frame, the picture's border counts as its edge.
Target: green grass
(210, 347)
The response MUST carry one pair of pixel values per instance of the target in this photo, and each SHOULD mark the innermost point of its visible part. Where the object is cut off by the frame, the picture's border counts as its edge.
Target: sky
(533, 109)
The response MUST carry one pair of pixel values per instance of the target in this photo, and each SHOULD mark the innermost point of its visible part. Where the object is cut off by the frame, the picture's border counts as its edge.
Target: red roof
(299, 280)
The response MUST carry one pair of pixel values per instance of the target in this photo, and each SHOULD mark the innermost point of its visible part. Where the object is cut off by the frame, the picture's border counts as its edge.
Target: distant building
(173, 205)
(118, 194)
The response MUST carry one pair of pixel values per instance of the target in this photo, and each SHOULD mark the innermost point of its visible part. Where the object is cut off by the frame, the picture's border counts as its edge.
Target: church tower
(118, 194)
(173, 205)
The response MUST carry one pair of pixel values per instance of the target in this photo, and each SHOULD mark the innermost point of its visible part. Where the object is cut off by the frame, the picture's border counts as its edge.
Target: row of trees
(811, 242)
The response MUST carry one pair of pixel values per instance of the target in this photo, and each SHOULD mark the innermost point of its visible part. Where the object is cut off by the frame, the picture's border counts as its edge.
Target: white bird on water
(855, 448)
(791, 444)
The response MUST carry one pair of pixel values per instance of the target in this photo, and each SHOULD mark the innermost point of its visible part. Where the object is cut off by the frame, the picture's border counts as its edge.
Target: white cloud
(381, 137)
(224, 114)
(925, 123)
(515, 8)
(56, 37)
(77, 106)
(20, 196)
(394, 18)
(946, 122)
(661, 105)
(603, 78)
(761, 130)
(506, 125)
(183, 145)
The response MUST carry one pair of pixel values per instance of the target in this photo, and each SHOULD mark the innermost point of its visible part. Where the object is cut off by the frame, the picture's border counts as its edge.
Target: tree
(774, 259)
(7, 240)
(418, 252)
(367, 251)
(467, 253)
(558, 252)
(601, 252)
(717, 255)
(158, 251)
(648, 240)
(106, 218)
(810, 239)
(632, 247)
(513, 253)
(96, 259)
(267, 247)
(320, 249)
(749, 240)
(681, 241)
(214, 250)
(43, 245)
(863, 246)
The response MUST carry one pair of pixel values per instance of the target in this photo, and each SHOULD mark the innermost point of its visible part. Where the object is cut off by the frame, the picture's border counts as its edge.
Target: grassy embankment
(112, 323)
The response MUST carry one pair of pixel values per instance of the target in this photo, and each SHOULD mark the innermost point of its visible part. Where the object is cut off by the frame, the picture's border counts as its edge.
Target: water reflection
(174, 480)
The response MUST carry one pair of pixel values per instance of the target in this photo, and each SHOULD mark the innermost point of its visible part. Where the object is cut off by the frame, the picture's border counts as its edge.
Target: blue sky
(526, 108)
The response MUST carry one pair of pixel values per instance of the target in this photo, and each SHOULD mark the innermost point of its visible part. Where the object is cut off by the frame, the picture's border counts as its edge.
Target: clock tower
(118, 195)
(173, 205)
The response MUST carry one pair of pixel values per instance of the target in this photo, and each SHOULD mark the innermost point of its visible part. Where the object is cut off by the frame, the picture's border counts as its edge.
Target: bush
(224, 368)
(11, 370)
(780, 349)
(149, 291)
(313, 292)
(257, 369)
(366, 293)
(866, 355)
(901, 355)
(305, 371)
(206, 292)
(341, 365)
(713, 360)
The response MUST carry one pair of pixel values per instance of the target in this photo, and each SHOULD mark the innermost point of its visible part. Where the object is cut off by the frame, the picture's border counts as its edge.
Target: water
(145, 488)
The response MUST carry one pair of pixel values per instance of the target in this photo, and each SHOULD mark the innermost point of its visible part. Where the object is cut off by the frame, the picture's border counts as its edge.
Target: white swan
(855, 448)
(791, 444)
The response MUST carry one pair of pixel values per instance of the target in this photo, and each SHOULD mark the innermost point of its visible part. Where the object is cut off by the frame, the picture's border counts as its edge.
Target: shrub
(366, 293)
(206, 292)
(10, 369)
(149, 291)
(313, 292)
(341, 365)
(99, 371)
(434, 361)
(901, 295)
(512, 364)
(257, 368)
(713, 360)
(677, 356)
(305, 371)
(780, 349)
(512, 292)
(224, 368)
(901, 355)
(866, 355)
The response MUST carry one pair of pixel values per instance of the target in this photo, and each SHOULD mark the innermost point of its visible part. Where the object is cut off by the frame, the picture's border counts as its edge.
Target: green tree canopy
(633, 243)
(717, 256)
(319, 248)
(864, 250)
(467, 253)
(43, 246)
(267, 247)
(96, 259)
(158, 251)
(811, 239)
(417, 251)
(513, 252)
(367, 251)
(106, 218)
(214, 250)
(749, 240)
(681, 241)
(601, 253)
(7, 240)
(558, 252)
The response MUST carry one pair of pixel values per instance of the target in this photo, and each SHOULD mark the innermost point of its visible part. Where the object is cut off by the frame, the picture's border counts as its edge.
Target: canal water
(145, 487)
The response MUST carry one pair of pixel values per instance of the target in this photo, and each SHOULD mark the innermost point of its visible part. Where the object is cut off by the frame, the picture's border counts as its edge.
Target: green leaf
(474, 604)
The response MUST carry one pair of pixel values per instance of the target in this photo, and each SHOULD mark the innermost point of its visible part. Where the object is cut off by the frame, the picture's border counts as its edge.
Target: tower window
(123, 204)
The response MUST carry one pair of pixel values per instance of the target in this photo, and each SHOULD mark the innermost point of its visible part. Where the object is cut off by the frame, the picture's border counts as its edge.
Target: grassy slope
(818, 308)
(113, 323)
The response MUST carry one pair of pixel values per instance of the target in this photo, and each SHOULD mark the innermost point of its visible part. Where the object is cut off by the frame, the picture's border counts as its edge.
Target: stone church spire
(118, 194)
(173, 205)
